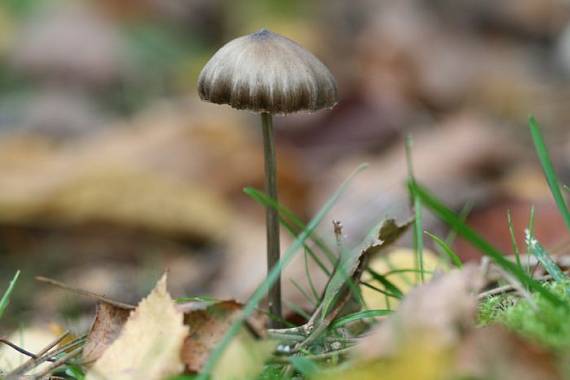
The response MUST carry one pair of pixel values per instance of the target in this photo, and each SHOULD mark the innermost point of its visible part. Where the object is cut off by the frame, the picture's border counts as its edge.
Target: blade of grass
(393, 271)
(389, 285)
(463, 214)
(418, 223)
(298, 310)
(536, 249)
(445, 214)
(289, 215)
(530, 228)
(262, 289)
(305, 366)
(514, 244)
(293, 227)
(310, 278)
(303, 292)
(445, 248)
(531, 220)
(377, 289)
(548, 168)
(6, 297)
(364, 314)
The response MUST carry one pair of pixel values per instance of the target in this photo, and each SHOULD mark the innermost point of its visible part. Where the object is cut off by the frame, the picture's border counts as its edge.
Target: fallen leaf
(149, 344)
(398, 259)
(208, 326)
(443, 308)
(107, 325)
(418, 360)
(494, 352)
(244, 358)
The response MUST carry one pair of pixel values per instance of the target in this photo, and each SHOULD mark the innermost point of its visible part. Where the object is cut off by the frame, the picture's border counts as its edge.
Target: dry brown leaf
(494, 352)
(149, 344)
(207, 327)
(353, 265)
(108, 323)
(441, 309)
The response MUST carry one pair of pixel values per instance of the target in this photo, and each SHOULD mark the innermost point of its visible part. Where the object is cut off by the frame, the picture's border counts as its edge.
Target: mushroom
(269, 74)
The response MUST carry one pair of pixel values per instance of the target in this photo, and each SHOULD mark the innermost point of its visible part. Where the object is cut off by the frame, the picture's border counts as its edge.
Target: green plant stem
(272, 217)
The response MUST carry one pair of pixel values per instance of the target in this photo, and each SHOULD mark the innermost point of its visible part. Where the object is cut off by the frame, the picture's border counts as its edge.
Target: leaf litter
(435, 321)
(149, 343)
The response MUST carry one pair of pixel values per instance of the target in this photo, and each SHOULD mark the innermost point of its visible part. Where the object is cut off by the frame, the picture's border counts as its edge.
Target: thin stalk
(272, 216)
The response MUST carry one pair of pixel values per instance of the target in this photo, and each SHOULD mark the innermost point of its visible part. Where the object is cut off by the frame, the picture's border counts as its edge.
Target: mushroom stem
(272, 217)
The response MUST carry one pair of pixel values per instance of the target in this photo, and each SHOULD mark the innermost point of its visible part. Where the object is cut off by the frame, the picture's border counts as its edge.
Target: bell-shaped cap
(266, 72)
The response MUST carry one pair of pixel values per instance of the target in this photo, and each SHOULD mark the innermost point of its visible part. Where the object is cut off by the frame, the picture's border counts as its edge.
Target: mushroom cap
(266, 72)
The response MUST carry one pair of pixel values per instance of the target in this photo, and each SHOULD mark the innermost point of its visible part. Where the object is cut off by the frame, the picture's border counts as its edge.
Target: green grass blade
(304, 293)
(448, 216)
(289, 215)
(531, 220)
(463, 214)
(297, 310)
(418, 222)
(548, 168)
(514, 244)
(381, 291)
(312, 287)
(389, 285)
(5, 300)
(419, 237)
(273, 275)
(445, 248)
(365, 314)
(304, 366)
(536, 249)
(294, 226)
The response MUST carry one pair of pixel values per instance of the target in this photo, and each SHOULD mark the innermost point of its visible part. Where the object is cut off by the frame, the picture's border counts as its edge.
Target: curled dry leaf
(149, 344)
(108, 323)
(208, 326)
(441, 309)
(207, 322)
(353, 263)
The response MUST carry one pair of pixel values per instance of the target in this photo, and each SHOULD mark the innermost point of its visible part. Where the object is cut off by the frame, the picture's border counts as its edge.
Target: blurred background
(112, 170)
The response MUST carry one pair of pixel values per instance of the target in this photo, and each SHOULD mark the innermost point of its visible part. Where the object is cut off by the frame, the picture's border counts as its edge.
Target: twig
(18, 348)
(33, 362)
(64, 359)
(518, 287)
(85, 293)
(322, 356)
(508, 288)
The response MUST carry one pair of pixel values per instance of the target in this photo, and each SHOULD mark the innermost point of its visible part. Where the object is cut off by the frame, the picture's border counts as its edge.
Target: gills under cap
(266, 72)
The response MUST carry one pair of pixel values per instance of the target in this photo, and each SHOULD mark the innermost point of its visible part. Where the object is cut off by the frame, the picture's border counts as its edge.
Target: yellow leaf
(418, 360)
(399, 259)
(244, 358)
(149, 344)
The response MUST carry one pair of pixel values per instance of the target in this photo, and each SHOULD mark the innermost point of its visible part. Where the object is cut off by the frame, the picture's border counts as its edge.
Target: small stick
(85, 293)
(324, 355)
(64, 359)
(518, 287)
(33, 362)
(18, 348)
(508, 288)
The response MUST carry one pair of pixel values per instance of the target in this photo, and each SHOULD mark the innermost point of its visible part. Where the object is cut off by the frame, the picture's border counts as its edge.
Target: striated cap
(266, 72)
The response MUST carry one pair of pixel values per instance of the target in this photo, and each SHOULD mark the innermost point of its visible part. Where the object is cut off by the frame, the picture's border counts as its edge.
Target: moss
(538, 319)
